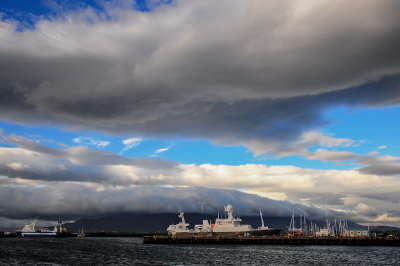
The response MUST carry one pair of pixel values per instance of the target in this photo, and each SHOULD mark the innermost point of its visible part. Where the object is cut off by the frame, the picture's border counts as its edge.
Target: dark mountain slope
(158, 223)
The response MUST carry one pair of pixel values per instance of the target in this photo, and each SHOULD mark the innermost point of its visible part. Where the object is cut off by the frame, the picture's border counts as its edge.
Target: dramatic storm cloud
(255, 74)
(51, 199)
(234, 72)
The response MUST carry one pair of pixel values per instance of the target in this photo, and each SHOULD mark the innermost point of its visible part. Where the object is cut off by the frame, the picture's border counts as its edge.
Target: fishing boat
(232, 226)
(181, 229)
(228, 226)
(81, 233)
(265, 230)
(32, 230)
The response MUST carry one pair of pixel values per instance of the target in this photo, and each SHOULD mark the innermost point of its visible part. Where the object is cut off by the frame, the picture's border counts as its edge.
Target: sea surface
(131, 251)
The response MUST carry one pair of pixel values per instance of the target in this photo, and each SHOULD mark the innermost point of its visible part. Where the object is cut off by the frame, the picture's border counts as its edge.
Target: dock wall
(156, 239)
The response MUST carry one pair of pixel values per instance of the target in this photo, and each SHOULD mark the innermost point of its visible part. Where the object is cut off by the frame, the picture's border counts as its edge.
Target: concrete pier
(162, 239)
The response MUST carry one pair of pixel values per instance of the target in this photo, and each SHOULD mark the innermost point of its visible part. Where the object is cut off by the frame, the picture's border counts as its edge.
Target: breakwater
(353, 241)
(87, 234)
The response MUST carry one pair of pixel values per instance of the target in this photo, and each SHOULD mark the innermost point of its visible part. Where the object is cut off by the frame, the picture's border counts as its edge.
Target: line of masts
(311, 228)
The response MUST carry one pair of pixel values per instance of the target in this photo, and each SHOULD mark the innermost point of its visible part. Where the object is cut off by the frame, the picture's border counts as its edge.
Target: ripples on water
(74, 251)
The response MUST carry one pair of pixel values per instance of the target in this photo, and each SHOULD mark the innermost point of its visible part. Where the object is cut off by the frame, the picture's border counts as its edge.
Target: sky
(115, 107)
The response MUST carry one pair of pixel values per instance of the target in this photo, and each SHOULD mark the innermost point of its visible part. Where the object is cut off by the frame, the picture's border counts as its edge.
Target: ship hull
(36, 234)
(267, 232)
(230, 234)
(256, 232)
(184, 234)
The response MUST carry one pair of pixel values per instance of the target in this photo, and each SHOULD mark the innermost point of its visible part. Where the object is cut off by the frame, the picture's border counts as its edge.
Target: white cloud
(91, 142)
(17, 166)
(382, 147)
(301, 145)
(314, 138)
(327, 155)
(131, 143)
(365, 209)
(385, 218)
(162, 149)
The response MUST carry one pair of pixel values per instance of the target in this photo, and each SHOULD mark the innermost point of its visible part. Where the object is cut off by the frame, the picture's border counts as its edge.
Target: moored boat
(181, 229)
(230, 226)
(32, 230)
(265, 230)
(293, 230)
(81, 233)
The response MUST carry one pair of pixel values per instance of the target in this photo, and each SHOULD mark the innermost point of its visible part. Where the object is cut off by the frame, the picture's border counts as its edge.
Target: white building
(356, 233)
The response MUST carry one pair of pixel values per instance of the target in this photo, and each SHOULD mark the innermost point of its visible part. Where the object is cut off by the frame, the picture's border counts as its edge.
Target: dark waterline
(75, 251)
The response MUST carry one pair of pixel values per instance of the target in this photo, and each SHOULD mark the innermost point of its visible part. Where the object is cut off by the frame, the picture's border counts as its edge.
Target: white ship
(229, 226)
(32, 230)
(203, 229)
(181, 228)
(232, 226)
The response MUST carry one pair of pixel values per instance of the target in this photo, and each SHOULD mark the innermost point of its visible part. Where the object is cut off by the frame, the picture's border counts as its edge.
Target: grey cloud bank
(231, 71)
(52, 199)
(103, 183)
(252, 73)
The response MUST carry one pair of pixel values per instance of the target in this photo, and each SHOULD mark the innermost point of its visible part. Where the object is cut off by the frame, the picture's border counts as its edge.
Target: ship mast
(181, 215)
(229, 210)
(262, 220)
(292, 224)
(301, 223)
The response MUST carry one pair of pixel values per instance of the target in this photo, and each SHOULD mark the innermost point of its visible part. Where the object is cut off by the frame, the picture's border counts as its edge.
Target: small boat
(293, 230)
(265, 230)
(81, 233)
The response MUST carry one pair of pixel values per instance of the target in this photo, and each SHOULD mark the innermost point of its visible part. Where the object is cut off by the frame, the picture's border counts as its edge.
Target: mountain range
(158, 223)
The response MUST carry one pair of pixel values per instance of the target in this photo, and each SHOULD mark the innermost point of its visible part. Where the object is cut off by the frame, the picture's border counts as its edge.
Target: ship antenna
(292, 223)
(301, 222)
(202, 203)
(262, 220)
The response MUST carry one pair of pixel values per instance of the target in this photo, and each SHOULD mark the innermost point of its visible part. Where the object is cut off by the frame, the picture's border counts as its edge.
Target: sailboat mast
(262, 220)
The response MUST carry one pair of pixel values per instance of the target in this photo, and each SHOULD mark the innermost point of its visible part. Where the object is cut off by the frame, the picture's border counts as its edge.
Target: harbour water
(128, 251)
